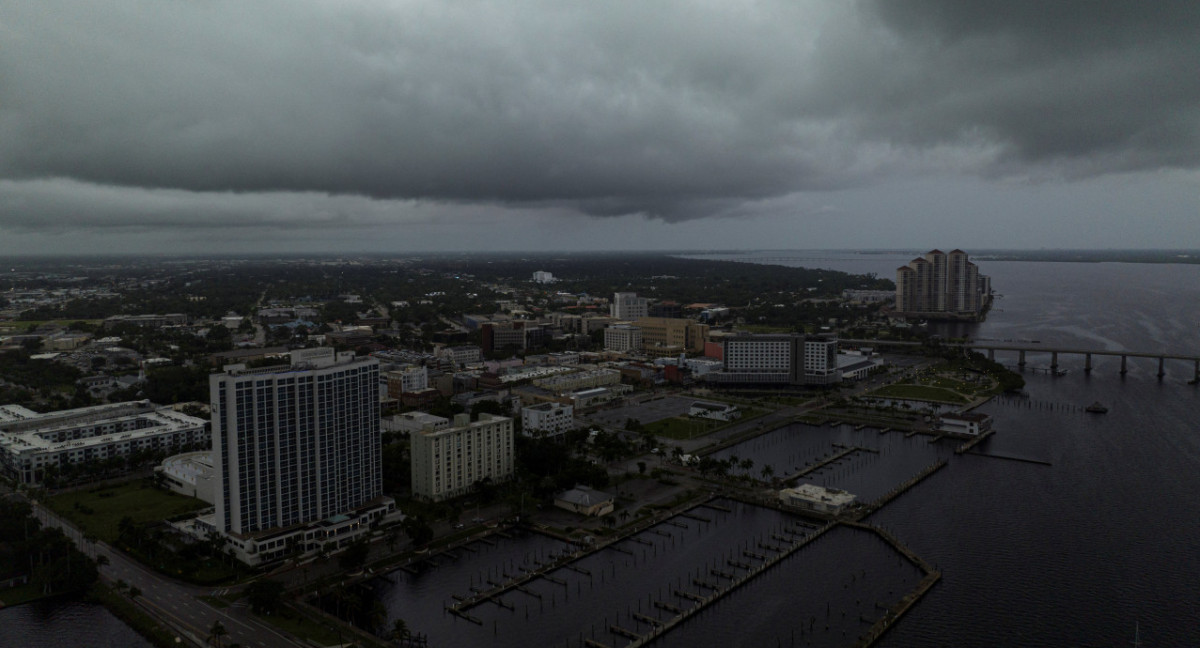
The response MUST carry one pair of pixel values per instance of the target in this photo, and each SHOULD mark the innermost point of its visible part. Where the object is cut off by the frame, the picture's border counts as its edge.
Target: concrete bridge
(1087, 353)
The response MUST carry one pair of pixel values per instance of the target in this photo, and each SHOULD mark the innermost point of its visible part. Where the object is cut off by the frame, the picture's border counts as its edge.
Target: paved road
(172, 602)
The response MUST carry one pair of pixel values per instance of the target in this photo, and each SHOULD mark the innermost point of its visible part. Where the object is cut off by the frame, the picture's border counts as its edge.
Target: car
(459, 525)
(476, 520)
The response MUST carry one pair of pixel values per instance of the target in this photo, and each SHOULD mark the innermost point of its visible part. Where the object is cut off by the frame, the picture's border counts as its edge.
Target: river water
(1108, 536)
(59, 623)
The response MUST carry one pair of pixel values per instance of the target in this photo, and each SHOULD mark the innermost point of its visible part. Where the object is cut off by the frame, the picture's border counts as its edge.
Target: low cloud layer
(223, 113)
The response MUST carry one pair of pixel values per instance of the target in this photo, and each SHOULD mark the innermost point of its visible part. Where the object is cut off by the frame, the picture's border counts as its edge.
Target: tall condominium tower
(297, 443)
(941, 284)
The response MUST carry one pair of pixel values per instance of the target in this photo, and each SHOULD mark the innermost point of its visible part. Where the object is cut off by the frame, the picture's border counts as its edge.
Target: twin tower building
(942, 285)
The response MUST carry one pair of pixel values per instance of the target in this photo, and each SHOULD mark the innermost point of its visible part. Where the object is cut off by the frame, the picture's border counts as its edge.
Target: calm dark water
(54, 624)
(616, 585)
(1077, 553)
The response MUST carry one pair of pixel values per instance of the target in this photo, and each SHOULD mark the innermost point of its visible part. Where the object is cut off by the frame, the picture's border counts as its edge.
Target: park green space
(686, 427)
(99, 511)
(920, 393)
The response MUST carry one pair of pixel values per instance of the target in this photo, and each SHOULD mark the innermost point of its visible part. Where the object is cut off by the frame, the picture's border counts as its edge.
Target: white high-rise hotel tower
(297, 444)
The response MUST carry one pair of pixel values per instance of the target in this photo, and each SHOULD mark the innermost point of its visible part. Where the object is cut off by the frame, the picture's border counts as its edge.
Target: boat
(1096, 408)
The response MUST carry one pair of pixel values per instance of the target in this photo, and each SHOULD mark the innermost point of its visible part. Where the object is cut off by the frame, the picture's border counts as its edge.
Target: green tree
(355, 555)
(217, 634)
(418, 530)
(400, 630)
(264, 596)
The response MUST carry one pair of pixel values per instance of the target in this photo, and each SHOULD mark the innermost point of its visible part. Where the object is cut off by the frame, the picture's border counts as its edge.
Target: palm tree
(215, 633)
(400, 630)
(768, 472)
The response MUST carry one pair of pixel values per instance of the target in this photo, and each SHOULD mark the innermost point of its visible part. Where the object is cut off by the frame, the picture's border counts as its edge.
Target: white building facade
(820, 361)
(547, 420)
(778, 359)
(628, 306)
(449, 462)
(33, 444)
(295, 444)
(623, 338)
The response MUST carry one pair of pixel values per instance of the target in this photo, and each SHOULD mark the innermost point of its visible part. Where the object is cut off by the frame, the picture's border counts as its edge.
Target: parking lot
(648, 412)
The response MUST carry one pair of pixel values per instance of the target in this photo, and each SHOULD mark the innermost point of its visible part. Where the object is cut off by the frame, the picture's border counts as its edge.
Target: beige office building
(941, 284)
(672, 333)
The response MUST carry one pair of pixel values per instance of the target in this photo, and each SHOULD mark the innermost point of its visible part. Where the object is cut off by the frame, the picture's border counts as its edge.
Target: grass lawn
(306, 628)
(918, 392)
(686, 427)
(100, 510)
(21, 594)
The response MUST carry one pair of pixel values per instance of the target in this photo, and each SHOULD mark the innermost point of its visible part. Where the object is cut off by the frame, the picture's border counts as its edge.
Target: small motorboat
(1097, 408)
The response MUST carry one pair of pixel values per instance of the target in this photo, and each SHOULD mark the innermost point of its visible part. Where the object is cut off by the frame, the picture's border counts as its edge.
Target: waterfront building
(547, 420)
(33, 444)
(628, 306)
(820, 361)
(296, 451)
(965, 424)
(623, 338)
(941, 285)
(857, 367)
(585, 501)
(811, 497)
(778, 359)
(449, 462)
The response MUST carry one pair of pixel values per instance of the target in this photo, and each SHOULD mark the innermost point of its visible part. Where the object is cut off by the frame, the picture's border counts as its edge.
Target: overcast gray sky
(196, 126)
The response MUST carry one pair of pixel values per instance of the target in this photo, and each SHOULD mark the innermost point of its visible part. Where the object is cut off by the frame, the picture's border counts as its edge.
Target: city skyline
(406, 127)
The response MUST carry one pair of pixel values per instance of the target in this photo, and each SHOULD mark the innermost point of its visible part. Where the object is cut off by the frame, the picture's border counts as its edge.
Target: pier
(790, 479)
(893, 613)
(904, 487)
(966, 447)
(1024, 459)
(703, 601)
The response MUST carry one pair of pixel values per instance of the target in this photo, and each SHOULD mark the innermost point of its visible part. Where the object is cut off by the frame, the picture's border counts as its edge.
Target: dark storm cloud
(676, 110)
(1094, 87)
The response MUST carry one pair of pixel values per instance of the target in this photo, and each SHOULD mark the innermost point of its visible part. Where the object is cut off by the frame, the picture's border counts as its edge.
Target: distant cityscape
(308, 418)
